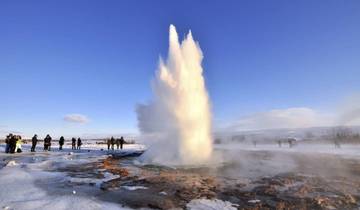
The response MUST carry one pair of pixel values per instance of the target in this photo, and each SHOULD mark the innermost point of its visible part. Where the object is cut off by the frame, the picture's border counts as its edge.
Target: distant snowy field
(346, 150)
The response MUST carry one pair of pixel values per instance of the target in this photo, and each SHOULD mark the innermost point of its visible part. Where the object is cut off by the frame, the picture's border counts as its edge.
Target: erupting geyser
(178, 117)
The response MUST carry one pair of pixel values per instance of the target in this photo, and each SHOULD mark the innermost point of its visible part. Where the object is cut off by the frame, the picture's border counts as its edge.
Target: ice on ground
(206, 204)
(254, 201)
(11, 163)
(97, 182)
(19, 191)
(134, 187)
(22, 172)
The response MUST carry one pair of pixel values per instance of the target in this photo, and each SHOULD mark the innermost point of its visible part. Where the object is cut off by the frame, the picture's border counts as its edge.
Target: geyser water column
(178, 117)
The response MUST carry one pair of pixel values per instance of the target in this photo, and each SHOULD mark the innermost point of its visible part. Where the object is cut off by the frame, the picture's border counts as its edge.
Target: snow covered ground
(31, 181)
(23, 176)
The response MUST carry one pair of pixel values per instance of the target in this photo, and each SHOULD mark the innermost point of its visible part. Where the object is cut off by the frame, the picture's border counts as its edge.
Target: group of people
(112, 141)
(76, 144)
(13, 143)
(47, 143)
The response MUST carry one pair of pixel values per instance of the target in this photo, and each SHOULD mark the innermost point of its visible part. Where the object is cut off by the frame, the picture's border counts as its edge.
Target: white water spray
(179, 116)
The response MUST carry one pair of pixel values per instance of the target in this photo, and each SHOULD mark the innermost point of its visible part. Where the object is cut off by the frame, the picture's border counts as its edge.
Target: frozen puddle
(254, 201)
(206, 204)
(97, 182)
(131, 188)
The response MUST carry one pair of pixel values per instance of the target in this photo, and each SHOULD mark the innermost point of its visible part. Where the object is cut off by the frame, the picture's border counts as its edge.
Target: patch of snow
(206, 204)
(131, 188)
(254, 201)
(11, 163)
(109, 176)
(97, 182)
(20, 188)
(162, 193)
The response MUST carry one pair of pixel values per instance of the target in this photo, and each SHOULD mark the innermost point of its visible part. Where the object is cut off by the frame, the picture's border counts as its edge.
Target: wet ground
(256, 180)
(249, 179)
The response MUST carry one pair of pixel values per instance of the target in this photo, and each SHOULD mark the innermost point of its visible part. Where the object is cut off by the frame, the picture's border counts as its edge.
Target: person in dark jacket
(112, 142)
(12, 143)
(291, 143)
(79, 143)
(61, 142)
(47, 143)
(7, 141)
(122, 141)
(73, 143)
(34, 141)
(108, 141)
(117, 142)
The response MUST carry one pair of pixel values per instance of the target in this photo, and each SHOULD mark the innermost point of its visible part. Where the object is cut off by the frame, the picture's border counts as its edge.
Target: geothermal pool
(265, 177)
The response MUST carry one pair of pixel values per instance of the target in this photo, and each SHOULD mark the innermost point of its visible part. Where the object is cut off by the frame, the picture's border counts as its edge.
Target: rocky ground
(165, 188)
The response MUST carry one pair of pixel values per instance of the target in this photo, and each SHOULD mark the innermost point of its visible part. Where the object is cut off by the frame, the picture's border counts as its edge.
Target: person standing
(7, 141)
(61, 142)
(291, 143)
(79, 143)
(18, 144)
(108, 141)
(122, 141)
(117, 141)
(73, 143)
(34, 141)
(12, 144)
(47, 143)
(112, 142)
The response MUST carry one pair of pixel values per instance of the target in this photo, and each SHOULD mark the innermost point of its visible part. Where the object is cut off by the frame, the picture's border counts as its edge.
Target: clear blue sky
(97, 58)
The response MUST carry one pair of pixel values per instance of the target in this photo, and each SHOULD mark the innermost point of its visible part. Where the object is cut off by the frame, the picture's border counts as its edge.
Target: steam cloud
(178, 118)
(350, 114)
